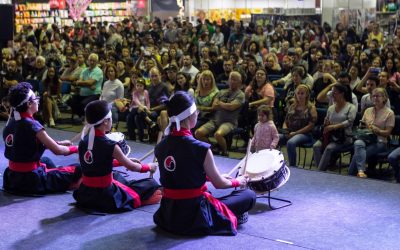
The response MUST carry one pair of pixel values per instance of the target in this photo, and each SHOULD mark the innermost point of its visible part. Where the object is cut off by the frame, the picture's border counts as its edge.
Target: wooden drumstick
(237, 166)
(159, 137)
(146, 155)
(247, 155)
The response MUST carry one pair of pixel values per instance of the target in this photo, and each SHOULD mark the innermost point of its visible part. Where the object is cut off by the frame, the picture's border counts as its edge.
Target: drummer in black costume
(101, 189)
(25, 142)
(186, 207)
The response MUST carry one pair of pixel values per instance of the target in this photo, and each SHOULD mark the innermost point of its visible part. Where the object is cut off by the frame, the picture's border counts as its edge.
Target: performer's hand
(153, 167)
(243, 180)
(65, 143)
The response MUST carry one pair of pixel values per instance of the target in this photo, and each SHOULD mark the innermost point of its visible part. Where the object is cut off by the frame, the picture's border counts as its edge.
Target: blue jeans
(292, 143)
(362, 153)
(393, 160)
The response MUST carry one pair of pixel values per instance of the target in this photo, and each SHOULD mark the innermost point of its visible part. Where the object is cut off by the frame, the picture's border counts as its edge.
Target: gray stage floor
(329, 211)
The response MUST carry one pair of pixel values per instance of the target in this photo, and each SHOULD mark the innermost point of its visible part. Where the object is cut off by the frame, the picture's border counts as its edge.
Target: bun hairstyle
(96, 110)
(17, 94)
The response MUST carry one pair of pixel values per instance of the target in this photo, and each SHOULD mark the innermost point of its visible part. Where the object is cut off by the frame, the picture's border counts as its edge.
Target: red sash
(180, 194)
(98, 181)
(22, 167)
(106, 181)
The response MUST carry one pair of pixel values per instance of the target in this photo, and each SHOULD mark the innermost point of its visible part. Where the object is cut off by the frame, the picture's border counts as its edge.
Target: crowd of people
(312, 84)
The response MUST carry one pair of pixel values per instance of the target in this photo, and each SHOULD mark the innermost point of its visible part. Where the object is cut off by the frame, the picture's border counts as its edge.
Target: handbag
(365, 135)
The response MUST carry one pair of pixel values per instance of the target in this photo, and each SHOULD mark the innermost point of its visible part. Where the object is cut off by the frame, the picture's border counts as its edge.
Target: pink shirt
(265, 136)
(140, 99)
(266, 91)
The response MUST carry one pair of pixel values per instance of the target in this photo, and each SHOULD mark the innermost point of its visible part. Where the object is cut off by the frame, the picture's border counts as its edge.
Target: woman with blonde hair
(379, 120)
(272, 65)
(299, 122)
(204, 96)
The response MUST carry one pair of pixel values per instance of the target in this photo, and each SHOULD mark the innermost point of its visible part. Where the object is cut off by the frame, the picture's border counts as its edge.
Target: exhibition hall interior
(198, 124)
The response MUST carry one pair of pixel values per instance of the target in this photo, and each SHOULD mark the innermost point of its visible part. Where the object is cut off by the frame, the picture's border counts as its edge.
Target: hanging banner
(167, 8)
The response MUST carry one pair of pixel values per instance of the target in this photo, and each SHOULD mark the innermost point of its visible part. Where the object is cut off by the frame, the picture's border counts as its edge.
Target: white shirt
(192, 71)
(112, 90)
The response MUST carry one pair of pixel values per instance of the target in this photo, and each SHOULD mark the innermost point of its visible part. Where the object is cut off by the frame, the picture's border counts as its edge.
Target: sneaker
(155, 198)
(362, 175)
(153, 125)
(243, 218)
(52, 124)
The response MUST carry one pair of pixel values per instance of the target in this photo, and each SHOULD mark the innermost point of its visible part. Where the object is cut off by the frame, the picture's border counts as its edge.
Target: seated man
(11, 78)
(227, 105)
(72, 72)
(89, 82)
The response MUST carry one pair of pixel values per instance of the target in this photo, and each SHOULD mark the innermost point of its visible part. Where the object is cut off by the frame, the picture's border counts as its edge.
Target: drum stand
(269, 198)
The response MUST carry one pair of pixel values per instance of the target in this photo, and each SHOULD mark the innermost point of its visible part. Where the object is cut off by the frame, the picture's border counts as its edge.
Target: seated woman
(26, 140)
(338, 124)
(101, 189)
(299, 122)
(52, 92)
(379, 119)
(204, 96)
(113, 90)
(186, 207)
(259, 92)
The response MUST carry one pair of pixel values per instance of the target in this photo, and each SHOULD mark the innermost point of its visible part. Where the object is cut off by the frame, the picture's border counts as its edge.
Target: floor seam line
(265, 238)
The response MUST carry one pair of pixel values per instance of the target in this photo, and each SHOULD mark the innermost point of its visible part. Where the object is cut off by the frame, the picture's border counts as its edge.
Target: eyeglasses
(376, 96)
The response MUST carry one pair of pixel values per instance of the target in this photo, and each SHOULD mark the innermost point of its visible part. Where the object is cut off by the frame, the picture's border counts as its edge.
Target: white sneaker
(52, 124)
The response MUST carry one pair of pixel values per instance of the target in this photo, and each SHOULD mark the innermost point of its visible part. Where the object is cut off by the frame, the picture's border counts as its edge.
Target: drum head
(120, 139)
(116, 136)
(264, 163)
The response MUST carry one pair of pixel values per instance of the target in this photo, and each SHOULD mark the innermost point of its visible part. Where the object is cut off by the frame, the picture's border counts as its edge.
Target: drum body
(267, 170)
(120, 139)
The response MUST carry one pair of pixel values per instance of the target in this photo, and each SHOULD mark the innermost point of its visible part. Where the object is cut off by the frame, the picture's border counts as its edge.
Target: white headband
(178, 118)
(90, 127)
(17, 115)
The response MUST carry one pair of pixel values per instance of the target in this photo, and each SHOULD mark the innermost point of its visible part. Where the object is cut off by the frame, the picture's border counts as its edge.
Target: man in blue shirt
(89, 82)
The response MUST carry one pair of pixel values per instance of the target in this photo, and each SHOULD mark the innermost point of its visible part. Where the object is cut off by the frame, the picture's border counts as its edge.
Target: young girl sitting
(139, 110)
(101, 189)
(265, 133)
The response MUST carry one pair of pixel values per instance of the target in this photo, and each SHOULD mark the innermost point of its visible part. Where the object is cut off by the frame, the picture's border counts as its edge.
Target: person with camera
(337, 126)
(371, 84)
(379, 119)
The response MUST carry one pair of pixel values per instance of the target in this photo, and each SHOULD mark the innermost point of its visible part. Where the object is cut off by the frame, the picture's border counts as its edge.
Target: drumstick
(237, 166)
(247, 155)
(146, 155)
(159, 137)
(241, 161)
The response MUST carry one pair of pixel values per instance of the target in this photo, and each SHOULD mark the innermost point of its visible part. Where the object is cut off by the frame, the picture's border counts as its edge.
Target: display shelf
(37, 13)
